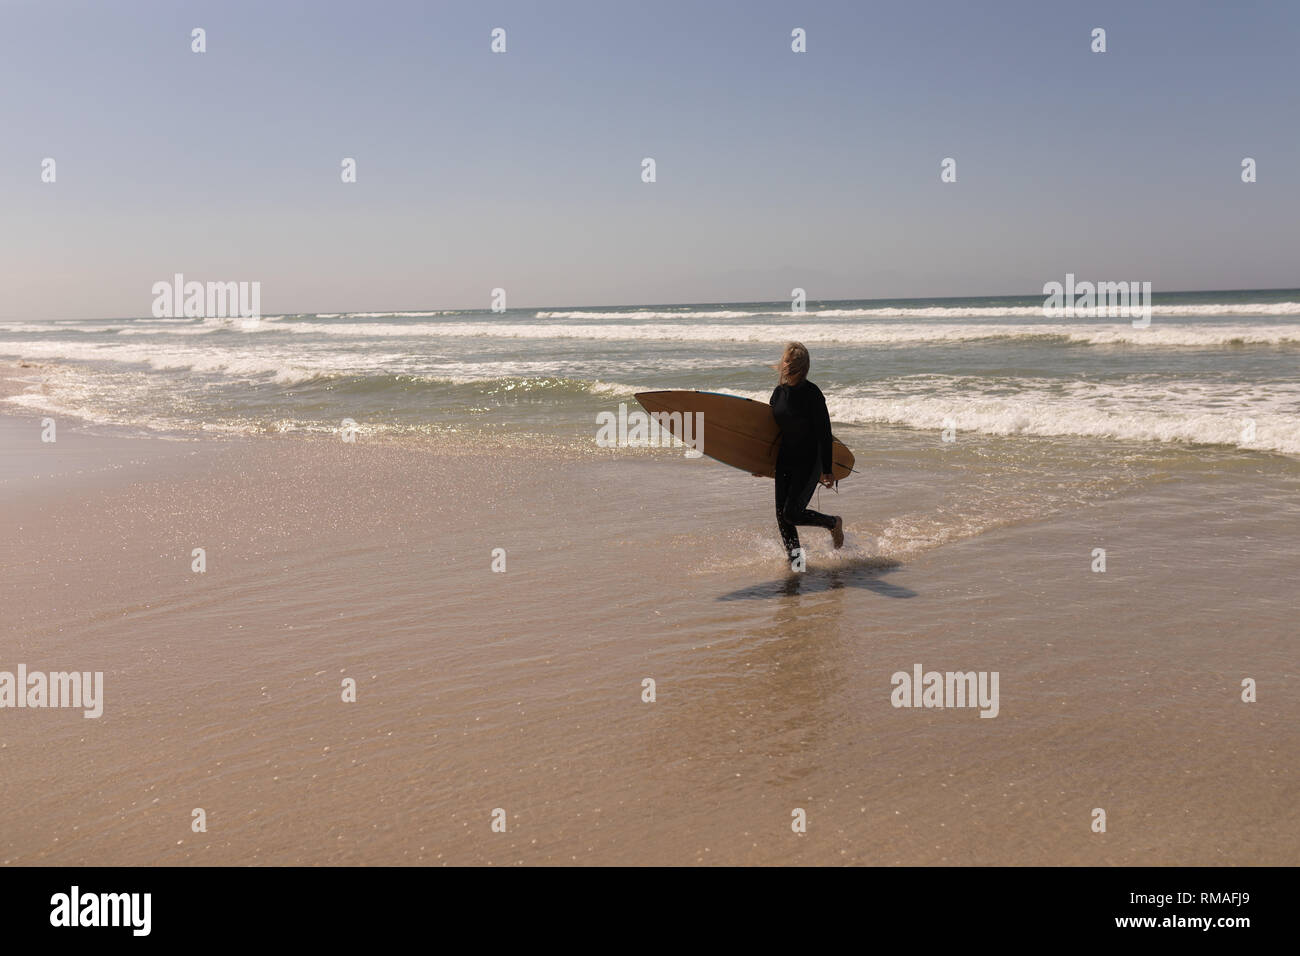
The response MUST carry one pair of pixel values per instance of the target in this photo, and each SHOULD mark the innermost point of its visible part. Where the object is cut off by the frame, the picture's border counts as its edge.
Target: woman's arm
(823, 425)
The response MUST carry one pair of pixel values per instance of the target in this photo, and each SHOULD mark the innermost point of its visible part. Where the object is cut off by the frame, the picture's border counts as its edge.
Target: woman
(805, 455)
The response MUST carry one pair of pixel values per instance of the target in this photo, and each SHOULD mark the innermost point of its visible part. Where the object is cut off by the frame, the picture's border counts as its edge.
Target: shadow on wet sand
(859, 573)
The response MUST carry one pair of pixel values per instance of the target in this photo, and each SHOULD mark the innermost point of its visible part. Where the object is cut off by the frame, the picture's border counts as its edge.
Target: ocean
(1103, 516)
(1209, 363)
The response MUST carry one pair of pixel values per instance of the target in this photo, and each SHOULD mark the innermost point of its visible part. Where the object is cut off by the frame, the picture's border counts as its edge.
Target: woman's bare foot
(837, 532)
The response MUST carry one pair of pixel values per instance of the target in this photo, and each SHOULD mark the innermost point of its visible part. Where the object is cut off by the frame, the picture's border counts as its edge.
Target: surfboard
(739, 432)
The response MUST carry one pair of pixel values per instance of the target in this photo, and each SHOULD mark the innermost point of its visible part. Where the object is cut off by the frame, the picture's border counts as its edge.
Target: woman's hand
(828, 481)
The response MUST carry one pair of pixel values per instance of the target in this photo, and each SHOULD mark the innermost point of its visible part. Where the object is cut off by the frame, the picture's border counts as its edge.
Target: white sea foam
(1194, 413)
(290, 366)
(1084, 332)
(1195, 410)
(926, 312)
(282, 367)
(375, 315)
(642, 314)
(672, 315)
(826, 327)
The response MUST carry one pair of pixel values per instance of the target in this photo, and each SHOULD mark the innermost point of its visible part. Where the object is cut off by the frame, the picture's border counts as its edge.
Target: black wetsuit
(805, 455)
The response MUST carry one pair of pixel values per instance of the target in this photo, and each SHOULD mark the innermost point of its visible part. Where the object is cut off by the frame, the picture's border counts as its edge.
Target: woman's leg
(789, 536)
(794, 509)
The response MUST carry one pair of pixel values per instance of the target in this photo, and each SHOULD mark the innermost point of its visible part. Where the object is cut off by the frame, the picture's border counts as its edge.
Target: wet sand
(523, 690)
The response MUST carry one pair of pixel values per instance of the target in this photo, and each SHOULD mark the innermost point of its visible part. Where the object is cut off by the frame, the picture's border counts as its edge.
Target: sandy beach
(522, 690)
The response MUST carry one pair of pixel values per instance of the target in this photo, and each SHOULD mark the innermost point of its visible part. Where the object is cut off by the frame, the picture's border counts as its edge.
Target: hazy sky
(523, 169)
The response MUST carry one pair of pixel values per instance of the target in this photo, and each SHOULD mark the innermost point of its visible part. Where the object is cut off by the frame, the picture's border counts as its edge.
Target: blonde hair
(793, 367)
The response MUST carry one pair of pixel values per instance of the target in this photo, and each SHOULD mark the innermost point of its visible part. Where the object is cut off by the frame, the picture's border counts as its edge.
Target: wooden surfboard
(739, 432)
